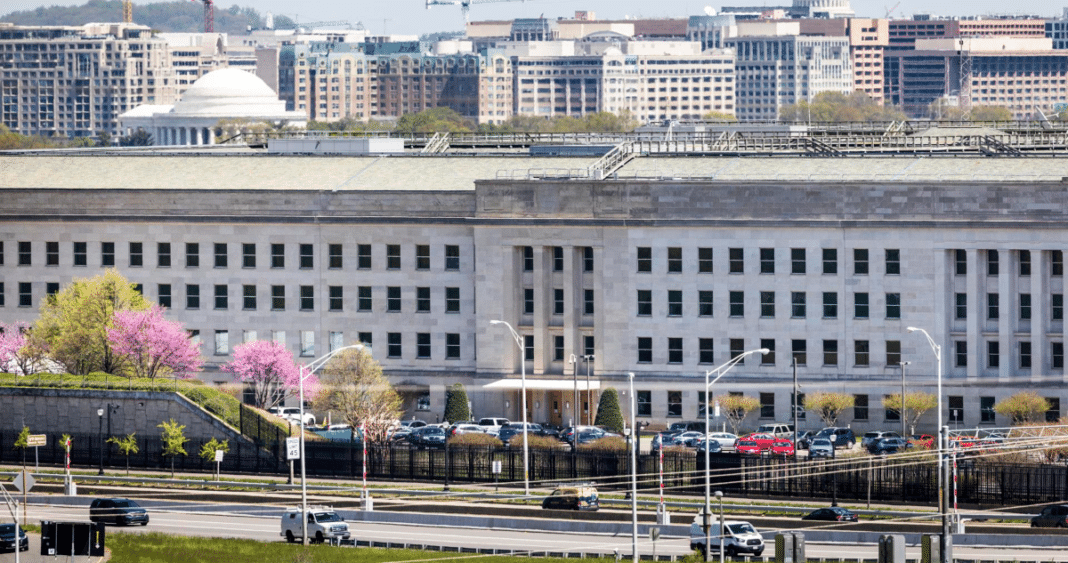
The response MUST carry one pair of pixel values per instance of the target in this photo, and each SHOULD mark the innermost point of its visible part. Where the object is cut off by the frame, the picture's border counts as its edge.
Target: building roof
(229, 92)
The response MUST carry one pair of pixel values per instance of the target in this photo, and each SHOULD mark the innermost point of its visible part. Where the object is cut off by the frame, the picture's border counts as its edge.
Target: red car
(745, 446)
(765, 441)
(782, 447)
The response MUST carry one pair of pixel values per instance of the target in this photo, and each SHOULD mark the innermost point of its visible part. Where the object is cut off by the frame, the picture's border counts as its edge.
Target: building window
(674, 403)
(991, 262)
(587, 347)
(645, 350)
(452, 258)
(674, 265)
(674, 350)
(393, 257)
(25, 294)
(704, 302)
(706, 347)
(107, 254)
(830, 305)
(248, 297)
(307, 256)
(222, 297)
(644, 399)
(307, 298)
(1025, 306)
(335, 259)
(674, 303)
(893, 261)
(51, 254)
(363, 256)
(558, 301)
(393, 299)
(704, 260)
(736, 260)
(961, 306)
(587, 301)
(336, 298)
(960, 262)
(769, 358)
(81, 251)
(2, 295)
(956, 408)
(587, 258)
(737, 347)
(645, 302)
(860, 407)
(1056, 262)
(364, 301)
(192, 296)
(1057, 354)
(860, 261)
(799, 351)
(797, 305)
(767, 304)
(892, 415)
(645, 259)
(861, 349)
(797, 261)
(767, 260)
(1054, 412)
(452, 346)
(394, 345)
(278, 298)
(860, 305)
(528, 258)
(528, 347)
(192, 254)
(220, 255)
(960, 348)
(136, 255)
(893, 305)
(528, 301)
(737, 303)
(336, 339)
(558, 348)
(558, 259)
(422, 345)
(25, 253)
(986, 409)
(830, 260)
(1025, 355)
(993, 354)
(163, 255)
(278, 255)
(452, 300)
(307, 343)
(422, 257)
(222, 342)
(1057, 304)
(1025, 263)
(422, 300)
(992, 306)
(163, 290)
(248, 255)
(893, 352)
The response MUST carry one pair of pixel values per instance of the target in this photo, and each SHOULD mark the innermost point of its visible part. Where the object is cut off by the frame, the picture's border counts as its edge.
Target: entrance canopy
(544, 384)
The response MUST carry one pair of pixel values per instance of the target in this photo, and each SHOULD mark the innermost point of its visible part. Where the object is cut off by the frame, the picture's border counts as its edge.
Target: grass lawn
(164, 548)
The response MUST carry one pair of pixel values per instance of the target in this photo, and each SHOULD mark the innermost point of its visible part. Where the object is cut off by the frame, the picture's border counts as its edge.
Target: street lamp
(721, 371)
(633, 471)
(719, 497)
(901, 412)
(100, 435)
(522, 401)
(311, 368)
(937, 349)
(573, 360)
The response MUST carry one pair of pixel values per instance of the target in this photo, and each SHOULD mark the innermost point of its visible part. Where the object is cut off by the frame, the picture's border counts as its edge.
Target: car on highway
(323, 524)
(580, 497)
(118, 511)
(8, 540)
(688, 439)
(820, 447)
(884, 446)
(831, 514)
(870, 438)
(1055, 516)
(745, 446)
(840, 437)
(713, 446)
(783, 447)
(725, 439)
(739, 537)
(427, 437)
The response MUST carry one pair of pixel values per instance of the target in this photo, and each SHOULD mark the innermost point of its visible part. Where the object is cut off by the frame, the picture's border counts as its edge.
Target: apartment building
(904, 33)
(868, 39)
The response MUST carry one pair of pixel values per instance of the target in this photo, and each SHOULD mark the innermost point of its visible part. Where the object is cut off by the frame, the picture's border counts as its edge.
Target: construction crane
(127, 11)
(465, 5)
(891, 10)
(209, 15)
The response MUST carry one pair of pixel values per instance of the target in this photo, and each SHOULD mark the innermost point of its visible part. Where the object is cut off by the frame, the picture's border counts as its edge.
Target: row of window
(862, 351)
(249, 256)
(557, 253)
(449, 343)
(993, 306)
(993, 262)
(994, 353)
(306, 298)
(798, 304)
(767, 260)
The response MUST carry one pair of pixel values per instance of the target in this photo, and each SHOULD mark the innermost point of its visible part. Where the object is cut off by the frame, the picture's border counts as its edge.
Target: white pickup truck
(323, 524)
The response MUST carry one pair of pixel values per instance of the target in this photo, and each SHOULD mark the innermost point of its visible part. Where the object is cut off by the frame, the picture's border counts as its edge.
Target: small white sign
(24, 481)
(36, 440)
(497, 467)
(218, 456)
(292, 448)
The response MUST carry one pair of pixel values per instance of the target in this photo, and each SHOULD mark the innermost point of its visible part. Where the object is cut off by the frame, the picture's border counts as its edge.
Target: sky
(412, 17)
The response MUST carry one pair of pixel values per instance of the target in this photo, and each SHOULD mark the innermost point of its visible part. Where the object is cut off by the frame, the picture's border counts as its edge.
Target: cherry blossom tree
(270, 368)
(154, 346)
(12, 340)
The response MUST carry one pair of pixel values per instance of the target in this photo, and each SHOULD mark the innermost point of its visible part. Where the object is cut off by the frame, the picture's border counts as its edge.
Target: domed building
(225, 95)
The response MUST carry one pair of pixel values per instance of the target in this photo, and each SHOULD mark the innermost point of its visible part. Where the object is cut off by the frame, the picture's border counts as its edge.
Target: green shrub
(536, 442)
(456, 408)
(608, 414)
(608, 444)
(475, 439)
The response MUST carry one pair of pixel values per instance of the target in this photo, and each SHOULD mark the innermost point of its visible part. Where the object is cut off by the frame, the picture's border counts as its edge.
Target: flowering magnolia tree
(270, 368)
(12, 340)
(154, 346)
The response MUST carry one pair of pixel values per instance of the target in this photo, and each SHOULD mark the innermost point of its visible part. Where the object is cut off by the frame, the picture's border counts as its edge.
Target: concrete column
(543, 303)
(572, 285)
(1040, 306)
(1008, 269)
(211, 135)
(976, 316)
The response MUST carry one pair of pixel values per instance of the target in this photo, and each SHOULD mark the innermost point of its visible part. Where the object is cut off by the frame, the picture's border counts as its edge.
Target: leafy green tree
(21, 443)
(828, 406)
(73, 324)
(456, 406)
(103, 139)
(609, 414)
(719, 116)
(173, 437)
(736, 407)
(441, 119)
(836, 107)
(916, 404)
(207, 451)
(1026, 407)
(127, 445)
(352, 386)
(139, 138)
(990, 113)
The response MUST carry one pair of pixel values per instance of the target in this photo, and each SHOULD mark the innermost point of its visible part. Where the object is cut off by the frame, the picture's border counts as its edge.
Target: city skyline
(411, 16)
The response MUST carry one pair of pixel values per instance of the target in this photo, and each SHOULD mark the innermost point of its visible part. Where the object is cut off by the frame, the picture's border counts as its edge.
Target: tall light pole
(633, 471)
(719, 497)
(522, 401)
(721, 371)
(100, 435)
(901, 413)
(588, 358)
(937, 349)
(573, 360)
(310, 369)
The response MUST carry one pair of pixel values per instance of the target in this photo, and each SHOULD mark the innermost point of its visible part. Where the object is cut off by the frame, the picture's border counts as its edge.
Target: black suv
(118, 511)
(1055, 516)
(9, 539)
(840, 437)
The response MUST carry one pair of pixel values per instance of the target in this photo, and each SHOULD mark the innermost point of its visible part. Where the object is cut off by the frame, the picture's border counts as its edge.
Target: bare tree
(352, 385)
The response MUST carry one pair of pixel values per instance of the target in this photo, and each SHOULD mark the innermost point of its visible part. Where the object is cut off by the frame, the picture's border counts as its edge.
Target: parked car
(763, 440)
(292, 414)
(713, 447)
(783, 447)
(870, 438)
(677, 428)
(778, 429)
(820, 447)
(12, 539)
(516, 428)
(587, 436)
(323, 524)
(888, 446)
(428, 437)
(923, 441)
(725, 439)
(118, 511)
(567, 434)
(804, 439)
(466, 427)
(493, 425)
(582, 497)
(1055, 516)
(840, 437)
(831, 514)
(746, 446)
(687, 439)
(738, 537)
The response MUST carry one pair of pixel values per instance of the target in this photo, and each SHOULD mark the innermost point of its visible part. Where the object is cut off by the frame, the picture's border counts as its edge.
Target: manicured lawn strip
(164, 548)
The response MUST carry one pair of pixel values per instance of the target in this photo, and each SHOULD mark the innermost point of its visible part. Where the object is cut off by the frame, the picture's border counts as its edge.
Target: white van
(323, 524)
(493, 425)
(738, 537)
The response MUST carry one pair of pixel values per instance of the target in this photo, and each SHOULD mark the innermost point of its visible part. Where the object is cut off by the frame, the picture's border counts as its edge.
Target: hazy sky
(411, 16)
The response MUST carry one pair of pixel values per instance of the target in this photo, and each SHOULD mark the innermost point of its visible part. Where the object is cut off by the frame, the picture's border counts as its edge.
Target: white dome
(229, 92)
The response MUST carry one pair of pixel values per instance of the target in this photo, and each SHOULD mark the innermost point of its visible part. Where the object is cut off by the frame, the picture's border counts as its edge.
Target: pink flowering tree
(12, 339)
(269, 367)
(154, 346)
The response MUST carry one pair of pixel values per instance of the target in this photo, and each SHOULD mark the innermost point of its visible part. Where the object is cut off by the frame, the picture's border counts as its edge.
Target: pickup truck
(323, 524)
